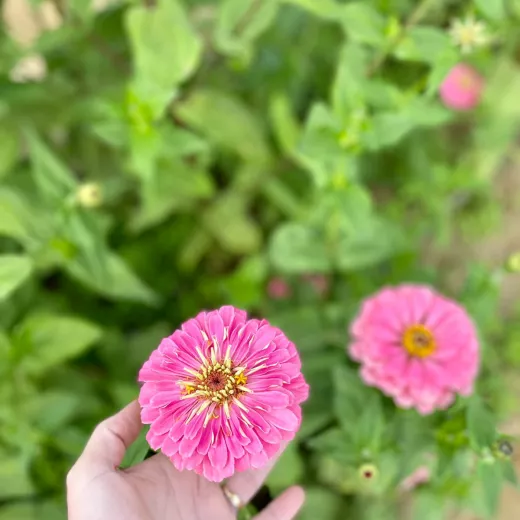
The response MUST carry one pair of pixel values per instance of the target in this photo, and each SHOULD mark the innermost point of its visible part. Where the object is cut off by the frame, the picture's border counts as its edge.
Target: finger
(285, 507)
(246, 484)
(111, 438)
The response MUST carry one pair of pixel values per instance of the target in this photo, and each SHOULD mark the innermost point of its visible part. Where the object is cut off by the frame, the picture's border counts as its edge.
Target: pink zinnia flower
(462, 88)
(420, 476)
(222, 393)
(278, 289)
(416, 346)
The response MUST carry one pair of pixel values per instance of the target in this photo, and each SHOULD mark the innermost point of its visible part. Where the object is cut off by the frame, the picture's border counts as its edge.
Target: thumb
(109, 441)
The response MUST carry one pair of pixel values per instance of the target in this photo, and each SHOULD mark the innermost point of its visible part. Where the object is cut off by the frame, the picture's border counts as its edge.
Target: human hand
(154, 489)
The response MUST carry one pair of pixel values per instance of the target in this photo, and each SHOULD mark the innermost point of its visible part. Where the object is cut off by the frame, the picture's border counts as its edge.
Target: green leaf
(303, 325)
(356, 404)
(175, 186)
(227, 122)
(240, 22)
(370, 427)
(424, 44)
(349, 89)
(388, 128)
(15, 481)
(322, 504)
(52, 410)
(245, 286)
(492, 9)
(83, 231)
(9, 149)
(509, 472)
(122, 283)
(289, 470)
(428, 506)
(5, 354)
(501, 89)
(53, 179)
(378, 241)
(490, 477)
(296, 248)
(166, 50)
(14, 215)
(363, 24)
(46, 340)
(319, 148)
(349, 396)
(480, 423)
(326, 9)
(137, 451)
(18, 512)
(228, 222)
(284, 123)
(14, 270)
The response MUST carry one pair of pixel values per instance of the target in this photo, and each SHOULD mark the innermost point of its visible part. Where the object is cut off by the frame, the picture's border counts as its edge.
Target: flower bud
(368, 472)
(89, 195)
(503, 449)
(278, 289)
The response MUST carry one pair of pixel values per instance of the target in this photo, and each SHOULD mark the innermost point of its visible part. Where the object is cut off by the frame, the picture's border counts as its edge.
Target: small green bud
(368, 472)
(503, 449)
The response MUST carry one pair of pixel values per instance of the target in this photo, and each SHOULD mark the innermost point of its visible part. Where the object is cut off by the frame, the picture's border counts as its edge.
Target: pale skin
(154, 489)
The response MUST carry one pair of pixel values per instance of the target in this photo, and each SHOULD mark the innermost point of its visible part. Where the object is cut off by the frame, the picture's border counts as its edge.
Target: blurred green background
(289, 157)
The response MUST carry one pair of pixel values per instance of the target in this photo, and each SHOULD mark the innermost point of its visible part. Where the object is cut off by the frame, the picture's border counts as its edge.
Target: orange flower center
(418, 340)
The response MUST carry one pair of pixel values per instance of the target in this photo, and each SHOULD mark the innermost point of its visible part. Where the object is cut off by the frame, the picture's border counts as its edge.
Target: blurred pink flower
(462, 88)
(416, 346)
(222, 393)
(420, 476)
(278, 288)
(319, 282)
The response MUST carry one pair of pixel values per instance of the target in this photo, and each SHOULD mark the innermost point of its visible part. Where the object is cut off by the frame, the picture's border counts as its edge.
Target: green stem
(415, 17)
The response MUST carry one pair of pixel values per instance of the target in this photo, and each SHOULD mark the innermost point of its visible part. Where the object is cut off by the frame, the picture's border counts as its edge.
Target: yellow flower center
(218, 382)
(419, 341)
(468, 35)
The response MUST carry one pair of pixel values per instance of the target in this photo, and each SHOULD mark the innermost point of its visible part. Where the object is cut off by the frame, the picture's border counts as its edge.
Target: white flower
(469, 34)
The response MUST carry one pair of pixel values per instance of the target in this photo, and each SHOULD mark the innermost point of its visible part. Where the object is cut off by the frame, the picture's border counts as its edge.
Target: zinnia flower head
(417, 346)
(421, 475)
(222, 393)
(468, 34)
(462, 88)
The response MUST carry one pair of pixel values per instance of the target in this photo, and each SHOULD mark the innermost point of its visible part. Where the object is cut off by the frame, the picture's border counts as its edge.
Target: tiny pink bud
(462, 88)
(278, 288)
(420, 476)
(319, 282)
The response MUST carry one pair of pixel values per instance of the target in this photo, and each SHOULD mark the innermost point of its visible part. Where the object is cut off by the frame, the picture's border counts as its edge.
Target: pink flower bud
(278, 289)
(420, 476)
(319, 282)
(462, 88)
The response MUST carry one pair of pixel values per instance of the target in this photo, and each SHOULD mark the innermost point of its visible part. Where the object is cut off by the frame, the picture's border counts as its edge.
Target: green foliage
(481, 425)
(179, 154)
(14, 270)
